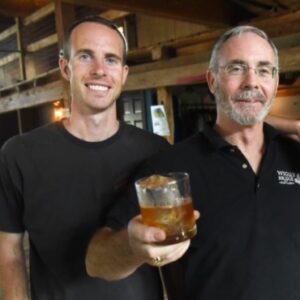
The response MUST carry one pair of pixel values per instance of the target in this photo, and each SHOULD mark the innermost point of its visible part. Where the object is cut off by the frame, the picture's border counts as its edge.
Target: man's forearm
(13, 281)
(109, 255)
(116, 255)
(13, 275)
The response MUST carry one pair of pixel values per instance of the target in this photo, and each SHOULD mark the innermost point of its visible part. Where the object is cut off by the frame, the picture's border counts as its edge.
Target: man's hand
(143, 239)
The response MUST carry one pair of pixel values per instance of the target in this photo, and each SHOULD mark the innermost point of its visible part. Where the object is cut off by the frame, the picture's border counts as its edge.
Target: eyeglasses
(264, 72)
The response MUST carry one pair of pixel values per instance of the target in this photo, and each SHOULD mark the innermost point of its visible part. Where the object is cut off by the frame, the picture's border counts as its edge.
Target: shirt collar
(217, 141)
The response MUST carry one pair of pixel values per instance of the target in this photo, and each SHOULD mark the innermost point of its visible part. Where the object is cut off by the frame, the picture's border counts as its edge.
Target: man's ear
(211, 81)
(125, 74)
(64, 68)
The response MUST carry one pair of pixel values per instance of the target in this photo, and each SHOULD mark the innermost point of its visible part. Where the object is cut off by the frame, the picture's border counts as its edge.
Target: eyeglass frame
(246, 69)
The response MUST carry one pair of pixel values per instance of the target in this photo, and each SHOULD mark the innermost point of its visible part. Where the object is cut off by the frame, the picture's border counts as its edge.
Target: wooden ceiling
(214, 13)
(280, 19)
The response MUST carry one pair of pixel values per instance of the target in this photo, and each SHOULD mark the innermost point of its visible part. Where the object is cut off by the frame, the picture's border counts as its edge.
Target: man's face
(95, 69)
(245, 99)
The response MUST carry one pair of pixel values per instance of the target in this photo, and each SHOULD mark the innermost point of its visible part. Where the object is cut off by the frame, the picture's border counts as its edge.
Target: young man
(59, 181)
(245, 180)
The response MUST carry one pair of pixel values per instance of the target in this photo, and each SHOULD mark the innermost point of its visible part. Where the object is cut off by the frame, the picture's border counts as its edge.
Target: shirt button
(232, 150)
(258, 185)
(244, 166)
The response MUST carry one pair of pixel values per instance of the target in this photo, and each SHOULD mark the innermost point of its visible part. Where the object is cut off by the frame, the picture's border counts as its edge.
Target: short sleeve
(11, 201)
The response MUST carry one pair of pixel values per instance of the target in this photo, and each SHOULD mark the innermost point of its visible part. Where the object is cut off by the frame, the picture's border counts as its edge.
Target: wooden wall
(153, 30)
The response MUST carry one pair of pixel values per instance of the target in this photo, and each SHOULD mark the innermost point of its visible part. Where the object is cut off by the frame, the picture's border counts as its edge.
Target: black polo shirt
(248, 241)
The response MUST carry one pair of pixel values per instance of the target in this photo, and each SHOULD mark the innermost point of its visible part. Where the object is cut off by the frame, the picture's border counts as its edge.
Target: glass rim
(176, 176)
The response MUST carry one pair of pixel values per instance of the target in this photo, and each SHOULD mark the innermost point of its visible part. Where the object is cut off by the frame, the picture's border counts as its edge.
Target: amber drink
(165, 202)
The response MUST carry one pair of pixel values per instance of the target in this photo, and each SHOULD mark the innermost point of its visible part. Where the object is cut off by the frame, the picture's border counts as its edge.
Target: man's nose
(251, 79)
(98, 68)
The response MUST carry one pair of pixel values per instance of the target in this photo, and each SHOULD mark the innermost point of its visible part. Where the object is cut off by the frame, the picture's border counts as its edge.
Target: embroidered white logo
(288, 178)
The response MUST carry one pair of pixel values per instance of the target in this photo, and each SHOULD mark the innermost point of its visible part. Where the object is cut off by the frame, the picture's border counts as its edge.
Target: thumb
(145, 234)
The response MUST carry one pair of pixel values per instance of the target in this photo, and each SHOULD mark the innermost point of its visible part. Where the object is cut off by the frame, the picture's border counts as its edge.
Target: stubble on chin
(247, 116)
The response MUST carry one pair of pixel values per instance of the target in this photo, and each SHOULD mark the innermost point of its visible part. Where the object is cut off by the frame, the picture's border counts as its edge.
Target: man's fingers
(143, 233)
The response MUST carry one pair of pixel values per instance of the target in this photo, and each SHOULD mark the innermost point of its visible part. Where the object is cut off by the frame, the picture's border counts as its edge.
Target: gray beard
(244, 117)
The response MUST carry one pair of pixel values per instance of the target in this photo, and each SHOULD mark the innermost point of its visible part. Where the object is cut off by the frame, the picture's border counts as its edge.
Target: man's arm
(13, 276)
(115, 255)
(288, 126)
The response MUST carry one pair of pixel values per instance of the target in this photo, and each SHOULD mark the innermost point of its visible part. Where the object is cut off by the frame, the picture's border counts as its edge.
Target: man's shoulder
(142, 135)
(30, 138)
(189, 149)
(288, 144)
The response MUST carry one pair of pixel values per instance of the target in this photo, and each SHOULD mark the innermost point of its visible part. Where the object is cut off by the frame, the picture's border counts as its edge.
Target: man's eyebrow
(242, 62)
(83, 50)
(264, 63)
(237, 61)
(114, 55)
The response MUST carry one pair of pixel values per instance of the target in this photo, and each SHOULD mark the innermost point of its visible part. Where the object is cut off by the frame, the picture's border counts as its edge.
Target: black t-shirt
(248, 241)
(59, 189)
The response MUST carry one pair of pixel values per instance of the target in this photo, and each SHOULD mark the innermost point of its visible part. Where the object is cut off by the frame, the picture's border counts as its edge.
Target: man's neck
(249, 139)
(91, 128)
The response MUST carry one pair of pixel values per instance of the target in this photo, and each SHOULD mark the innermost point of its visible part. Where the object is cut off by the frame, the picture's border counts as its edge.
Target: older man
(245, 179)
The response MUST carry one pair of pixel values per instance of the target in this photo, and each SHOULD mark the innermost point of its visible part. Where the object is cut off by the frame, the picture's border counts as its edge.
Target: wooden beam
(178, 75)
(20, 49)
(43, 43)
(169, 63)
(46, 77)
(160, 53)
(64, 16)
(216, 12)
(8, 32)
(37, 95)
(39, 14)
(289, 59)
(114, 14)
(8, 59)
(279, 25)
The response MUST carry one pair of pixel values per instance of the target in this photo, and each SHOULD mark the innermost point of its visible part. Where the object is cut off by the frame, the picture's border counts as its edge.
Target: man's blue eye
(84, 57)
(112, 60)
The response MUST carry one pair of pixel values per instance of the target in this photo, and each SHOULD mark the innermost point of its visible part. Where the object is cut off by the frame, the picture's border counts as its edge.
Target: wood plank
(20, 49)
(198, 48)
(8, 32)
(114, 14)
(287, 41)
(35, 96)
(49, 76)
(286, 23)
(186, 74)
(64, 16)
(170, 63)
(8, 59)
(289, 59)
(39, 14)
(43, 43)
(193, 11)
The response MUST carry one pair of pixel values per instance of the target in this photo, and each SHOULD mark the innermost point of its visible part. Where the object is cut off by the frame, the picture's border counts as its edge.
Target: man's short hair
(65, 52)
(213, 63)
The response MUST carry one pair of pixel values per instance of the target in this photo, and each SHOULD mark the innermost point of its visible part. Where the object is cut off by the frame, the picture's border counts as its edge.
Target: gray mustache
(249, 94)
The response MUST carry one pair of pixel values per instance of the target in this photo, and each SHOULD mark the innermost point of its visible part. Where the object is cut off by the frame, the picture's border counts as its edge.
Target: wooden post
(21, 64)
(164, 97)
(64, 16)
